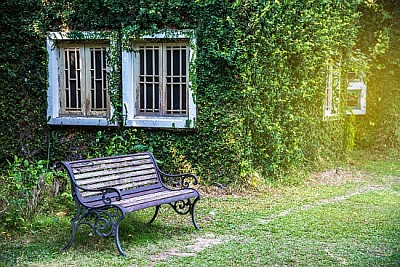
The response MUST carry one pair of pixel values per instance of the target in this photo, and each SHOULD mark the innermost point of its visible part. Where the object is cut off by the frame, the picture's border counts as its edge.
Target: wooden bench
(106, 189)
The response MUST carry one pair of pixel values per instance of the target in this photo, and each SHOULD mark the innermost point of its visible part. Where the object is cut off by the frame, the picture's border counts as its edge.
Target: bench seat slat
(139, 191)
(122, 187)
(133, 180)
(137, 203)
(152, 196)
(149, 199)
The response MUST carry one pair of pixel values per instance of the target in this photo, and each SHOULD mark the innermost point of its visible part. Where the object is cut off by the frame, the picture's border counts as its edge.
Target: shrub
(21, 190)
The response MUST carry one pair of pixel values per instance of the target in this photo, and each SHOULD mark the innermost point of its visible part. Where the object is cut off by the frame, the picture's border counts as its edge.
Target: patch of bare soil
(197, 245)
(335, 177)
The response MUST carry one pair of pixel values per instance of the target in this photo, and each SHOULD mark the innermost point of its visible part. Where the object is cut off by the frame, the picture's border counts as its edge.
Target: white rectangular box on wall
(357, 96)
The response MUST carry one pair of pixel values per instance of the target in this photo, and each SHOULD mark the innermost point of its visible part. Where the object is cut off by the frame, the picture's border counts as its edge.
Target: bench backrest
(127, 172)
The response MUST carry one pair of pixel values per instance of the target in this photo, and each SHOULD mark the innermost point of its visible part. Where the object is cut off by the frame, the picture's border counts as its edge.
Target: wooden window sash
(91, 94)
(68, 104)
(84, 80)
(163, 80)
(147, 83)
(179, 81)
(332, 100)
(329, 90)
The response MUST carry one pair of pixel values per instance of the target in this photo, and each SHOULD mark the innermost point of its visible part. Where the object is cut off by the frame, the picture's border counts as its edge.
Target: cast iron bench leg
(155, 215)
(72, 238)
(116, 237)
(193, 215)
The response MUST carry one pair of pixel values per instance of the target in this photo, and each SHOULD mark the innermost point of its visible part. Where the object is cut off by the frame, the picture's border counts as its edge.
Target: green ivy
(259, 83)
(378, 47)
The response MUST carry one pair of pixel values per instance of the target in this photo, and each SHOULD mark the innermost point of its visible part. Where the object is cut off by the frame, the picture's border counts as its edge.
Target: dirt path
(205, 241)
(322, 202)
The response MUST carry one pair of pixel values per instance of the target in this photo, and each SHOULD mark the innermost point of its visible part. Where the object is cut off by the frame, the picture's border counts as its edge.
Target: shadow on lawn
(47, 242)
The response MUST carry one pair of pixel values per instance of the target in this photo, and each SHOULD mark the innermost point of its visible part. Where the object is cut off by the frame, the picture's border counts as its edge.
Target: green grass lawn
(345, 218)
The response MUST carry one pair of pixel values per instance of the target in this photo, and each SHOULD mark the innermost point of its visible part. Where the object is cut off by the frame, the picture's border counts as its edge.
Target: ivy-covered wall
(260, 83)
(379, 48)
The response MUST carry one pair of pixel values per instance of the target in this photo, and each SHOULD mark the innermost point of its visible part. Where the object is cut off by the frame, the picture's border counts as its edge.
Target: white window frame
(332, 93)
(54, 109)
(357, 86)
(129, 87)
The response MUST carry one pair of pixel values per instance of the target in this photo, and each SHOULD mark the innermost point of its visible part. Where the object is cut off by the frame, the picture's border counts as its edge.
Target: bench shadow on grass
(45, 244)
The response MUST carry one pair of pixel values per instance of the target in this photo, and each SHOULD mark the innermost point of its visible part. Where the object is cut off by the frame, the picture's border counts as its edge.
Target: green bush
(21, 190)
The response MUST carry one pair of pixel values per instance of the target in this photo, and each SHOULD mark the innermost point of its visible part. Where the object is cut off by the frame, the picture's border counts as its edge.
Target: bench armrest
(105, 191)
(179, 180)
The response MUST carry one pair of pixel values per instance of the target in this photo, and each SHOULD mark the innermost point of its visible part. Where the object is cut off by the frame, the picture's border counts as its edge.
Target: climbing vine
(259, 83)
(378, 47)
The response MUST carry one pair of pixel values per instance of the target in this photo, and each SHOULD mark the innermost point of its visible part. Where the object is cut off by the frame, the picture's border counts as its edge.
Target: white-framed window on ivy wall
(78, 87)
(332, 93)
(157, 88)
(356, 94)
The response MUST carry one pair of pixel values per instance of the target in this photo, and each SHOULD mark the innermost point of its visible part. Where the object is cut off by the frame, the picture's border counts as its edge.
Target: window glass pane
(98, 65)
(157, 98)
(66, 80)
(92, 101)
(99, 94)
(67, 101)
(169, 63)
(177, 98)
(72, 73)
(78, 78)
(104, 78)
(176, 61)
(183, 61)
(66, 59)
(169, 99)
(98, 80)
(149, 71)
(104, 57)
(149, 62)
(91, 59)
(71, 84)
(141, 58)
(149, 98)
(141, 94)
(184, 98)
(353, 99)
(79, 102)
(156, 62)
(73, 95)
(105, 105)
(92, 80)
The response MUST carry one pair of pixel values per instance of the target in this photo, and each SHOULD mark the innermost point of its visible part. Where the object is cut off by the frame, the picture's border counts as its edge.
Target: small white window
(356, 95)
(78, 88)
(156, 83)
(332, 95)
